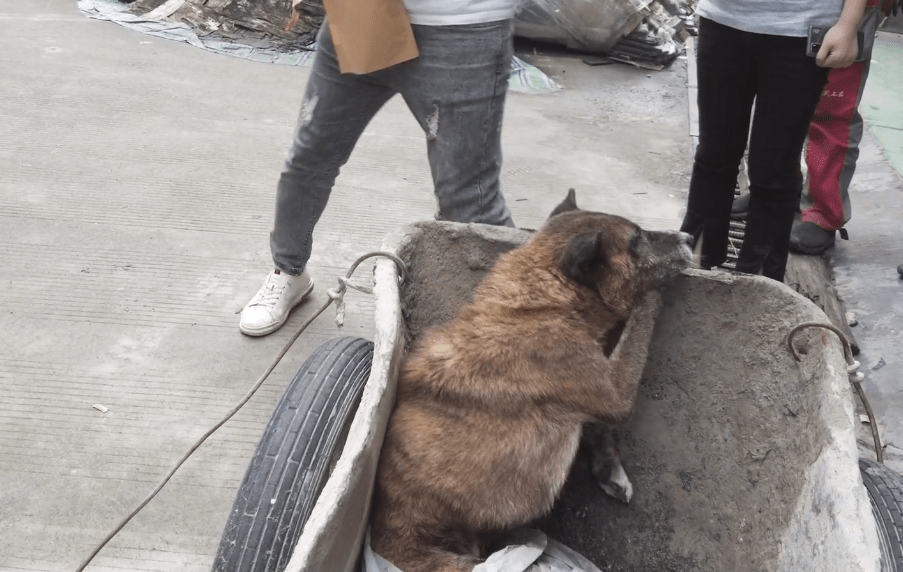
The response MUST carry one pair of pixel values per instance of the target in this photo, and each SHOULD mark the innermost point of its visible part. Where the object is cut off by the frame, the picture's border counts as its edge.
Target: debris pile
(258, 21)
(646, 33)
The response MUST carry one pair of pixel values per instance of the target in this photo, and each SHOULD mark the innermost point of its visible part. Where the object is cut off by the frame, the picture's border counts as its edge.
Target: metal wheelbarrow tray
(742, 458)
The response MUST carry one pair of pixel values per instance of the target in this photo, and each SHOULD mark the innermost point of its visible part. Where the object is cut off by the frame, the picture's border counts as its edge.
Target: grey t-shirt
(775, 17)
(456, 12)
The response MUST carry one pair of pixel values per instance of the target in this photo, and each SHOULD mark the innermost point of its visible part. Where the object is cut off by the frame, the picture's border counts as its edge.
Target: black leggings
(735, 68)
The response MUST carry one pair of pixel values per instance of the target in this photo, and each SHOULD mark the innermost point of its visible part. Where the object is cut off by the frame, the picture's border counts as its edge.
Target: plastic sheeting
(588, 25)
(524, 77)
(118, 12)
(527, 551)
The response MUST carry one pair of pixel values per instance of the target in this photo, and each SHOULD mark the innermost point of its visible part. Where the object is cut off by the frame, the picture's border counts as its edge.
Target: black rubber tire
(885, 489)
(294, 458)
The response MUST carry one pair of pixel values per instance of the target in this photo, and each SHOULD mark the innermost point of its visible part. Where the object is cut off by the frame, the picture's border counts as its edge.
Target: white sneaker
(270, 307)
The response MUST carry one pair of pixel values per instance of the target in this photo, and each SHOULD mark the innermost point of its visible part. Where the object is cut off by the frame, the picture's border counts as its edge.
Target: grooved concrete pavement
(136, 196)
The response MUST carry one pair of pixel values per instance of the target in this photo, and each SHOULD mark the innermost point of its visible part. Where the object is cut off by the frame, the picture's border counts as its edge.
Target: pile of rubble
(647, 33)
(255, 21)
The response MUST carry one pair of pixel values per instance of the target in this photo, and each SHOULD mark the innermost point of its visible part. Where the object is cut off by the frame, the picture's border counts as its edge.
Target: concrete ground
(136, 184)
(865, 266)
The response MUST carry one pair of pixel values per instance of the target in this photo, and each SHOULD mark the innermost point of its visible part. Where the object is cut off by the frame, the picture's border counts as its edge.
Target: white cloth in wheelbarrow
(527, 550)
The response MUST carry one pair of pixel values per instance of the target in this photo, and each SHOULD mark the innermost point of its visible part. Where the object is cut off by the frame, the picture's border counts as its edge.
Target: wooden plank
(164, 10)
(812, 277)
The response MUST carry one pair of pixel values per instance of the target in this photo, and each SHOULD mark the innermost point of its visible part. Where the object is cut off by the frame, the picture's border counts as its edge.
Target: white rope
(337, 295)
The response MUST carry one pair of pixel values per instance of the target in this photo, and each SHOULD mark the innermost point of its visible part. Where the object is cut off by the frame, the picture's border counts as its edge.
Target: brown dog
(491, 405)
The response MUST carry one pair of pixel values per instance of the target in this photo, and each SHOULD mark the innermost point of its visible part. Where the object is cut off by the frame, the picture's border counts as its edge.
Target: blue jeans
(734, 69)
(456, 91)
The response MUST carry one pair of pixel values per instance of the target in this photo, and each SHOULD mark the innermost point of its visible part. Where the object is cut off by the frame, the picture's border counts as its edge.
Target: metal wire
(334, 295)
(852, 370)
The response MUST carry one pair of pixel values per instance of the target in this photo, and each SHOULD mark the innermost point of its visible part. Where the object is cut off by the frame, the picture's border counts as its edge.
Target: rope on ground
(855, 375)
(335, 295)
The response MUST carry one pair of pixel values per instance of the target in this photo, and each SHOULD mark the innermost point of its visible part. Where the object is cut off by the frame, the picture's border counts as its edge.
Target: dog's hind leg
(416, 546)
(605, 461)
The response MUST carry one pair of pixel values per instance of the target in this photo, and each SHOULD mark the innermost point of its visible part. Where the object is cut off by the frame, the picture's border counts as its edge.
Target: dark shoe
(900, 269)
(809, 238)
(740, 208)
(767, 233)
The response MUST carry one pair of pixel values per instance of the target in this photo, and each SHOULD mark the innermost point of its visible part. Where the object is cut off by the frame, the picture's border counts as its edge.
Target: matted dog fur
(490, 406)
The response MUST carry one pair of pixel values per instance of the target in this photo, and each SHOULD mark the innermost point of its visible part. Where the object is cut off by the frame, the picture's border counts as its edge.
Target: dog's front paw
(651, 302)
(618, 485)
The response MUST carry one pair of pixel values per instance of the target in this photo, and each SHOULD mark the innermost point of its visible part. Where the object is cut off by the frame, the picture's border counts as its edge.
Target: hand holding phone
(834, 47)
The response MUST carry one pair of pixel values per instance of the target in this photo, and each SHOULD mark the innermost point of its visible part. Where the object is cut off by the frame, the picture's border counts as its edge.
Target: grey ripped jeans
(456, 91)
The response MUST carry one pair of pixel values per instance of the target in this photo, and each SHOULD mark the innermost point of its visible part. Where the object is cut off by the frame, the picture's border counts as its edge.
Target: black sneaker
(809, 238)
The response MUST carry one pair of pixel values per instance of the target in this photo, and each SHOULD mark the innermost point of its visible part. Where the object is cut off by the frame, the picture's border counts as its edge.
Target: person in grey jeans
(456, 90)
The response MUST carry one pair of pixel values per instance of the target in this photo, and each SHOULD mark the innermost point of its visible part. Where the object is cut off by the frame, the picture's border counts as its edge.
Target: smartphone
(816, 38)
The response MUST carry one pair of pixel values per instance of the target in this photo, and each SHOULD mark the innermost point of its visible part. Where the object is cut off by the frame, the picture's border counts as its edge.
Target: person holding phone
(756, 51)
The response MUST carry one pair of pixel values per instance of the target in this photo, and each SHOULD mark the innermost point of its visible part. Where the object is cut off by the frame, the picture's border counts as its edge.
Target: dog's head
(611, 254)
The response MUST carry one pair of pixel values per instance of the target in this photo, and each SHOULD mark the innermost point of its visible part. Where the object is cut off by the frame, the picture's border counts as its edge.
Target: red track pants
(833, 148)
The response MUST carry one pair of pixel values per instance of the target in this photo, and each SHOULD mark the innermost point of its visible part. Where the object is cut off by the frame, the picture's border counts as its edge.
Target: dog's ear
(568, 204)
(583, 258)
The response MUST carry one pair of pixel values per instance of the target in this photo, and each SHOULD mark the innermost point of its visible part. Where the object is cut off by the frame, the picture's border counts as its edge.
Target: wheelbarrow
(742, 458)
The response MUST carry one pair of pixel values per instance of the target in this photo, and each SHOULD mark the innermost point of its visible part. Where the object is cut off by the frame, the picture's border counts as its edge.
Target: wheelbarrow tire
(294, 458)
(885, 490)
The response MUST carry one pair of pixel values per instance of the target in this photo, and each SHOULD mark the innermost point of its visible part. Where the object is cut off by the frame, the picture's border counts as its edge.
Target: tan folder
(370, 35)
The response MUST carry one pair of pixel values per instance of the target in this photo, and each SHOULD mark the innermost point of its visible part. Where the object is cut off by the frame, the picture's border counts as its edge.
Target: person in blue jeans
(455, 89)
(755, 50)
